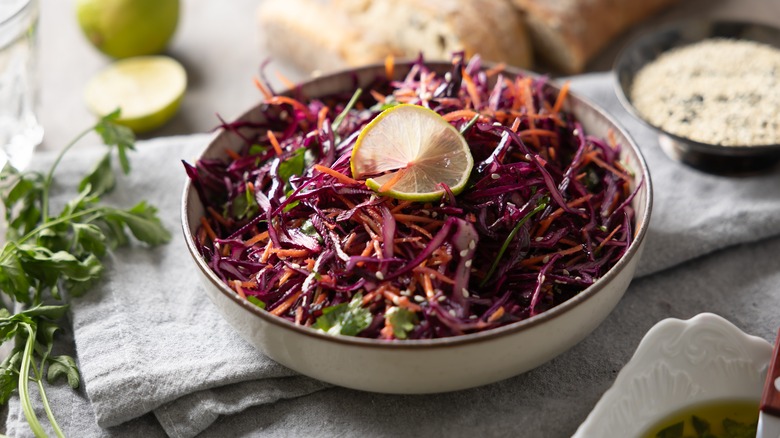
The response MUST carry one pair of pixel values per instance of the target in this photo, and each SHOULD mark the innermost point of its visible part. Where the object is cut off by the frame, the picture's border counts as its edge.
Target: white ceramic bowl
(425, 366)
(679, 364)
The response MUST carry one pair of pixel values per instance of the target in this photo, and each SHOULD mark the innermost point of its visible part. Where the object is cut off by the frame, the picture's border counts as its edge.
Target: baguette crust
(566, 33)
(332, 34)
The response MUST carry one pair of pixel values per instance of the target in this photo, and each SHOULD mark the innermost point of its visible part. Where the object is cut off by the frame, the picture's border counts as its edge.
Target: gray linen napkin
(149, 341)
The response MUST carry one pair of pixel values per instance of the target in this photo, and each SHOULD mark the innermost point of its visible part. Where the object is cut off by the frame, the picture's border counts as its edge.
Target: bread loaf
(566, 33)
(332, 34)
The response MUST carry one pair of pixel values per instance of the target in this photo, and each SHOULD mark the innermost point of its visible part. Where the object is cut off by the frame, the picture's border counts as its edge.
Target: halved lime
(409, 151)
(148, 90)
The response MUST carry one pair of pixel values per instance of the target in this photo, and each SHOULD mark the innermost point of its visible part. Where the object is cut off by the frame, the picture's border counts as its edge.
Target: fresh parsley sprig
(46, 254)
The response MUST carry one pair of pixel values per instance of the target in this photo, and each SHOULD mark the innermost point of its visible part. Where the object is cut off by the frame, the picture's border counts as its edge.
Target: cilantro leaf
(117, 135)
(101, 180)
(60, 366)
(293, 165)
(345, 319)
(402, 320)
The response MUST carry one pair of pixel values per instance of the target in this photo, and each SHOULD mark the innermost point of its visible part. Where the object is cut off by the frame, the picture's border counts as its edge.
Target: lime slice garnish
(148, 90)
(408, 152)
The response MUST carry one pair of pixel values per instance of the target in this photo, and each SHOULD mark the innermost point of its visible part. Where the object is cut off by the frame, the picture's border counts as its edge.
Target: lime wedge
(148, 90)
(408, 152)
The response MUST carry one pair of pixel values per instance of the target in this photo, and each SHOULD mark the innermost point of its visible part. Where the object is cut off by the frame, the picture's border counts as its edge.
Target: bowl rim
(470, 338)
(632, 45)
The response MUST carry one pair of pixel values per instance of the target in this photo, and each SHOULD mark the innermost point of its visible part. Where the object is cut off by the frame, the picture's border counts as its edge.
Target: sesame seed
(472, 244)
(379, 275)
(395, 300)
(448, 76)
(295, 266)
(465, 292)
(452, 312)
(467, 263)
(496, 124)
(495, 176)
(539, 239)
(406, 292)
(433, 276)
(473, 317)
(464, 253)
(546, 259)
(441, 299)
(565, 271)
(434, 214)
(419, 298)
(576, 132)
(578, 278)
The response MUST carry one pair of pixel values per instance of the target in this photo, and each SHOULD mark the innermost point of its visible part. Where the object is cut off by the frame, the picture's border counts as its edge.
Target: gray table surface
(219, 43)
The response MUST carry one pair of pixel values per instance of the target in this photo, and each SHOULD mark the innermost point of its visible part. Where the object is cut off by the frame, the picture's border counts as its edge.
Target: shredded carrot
(405, 302)
(267, 252)
(545, 223)
(401, 205)
(217, 217)
(604, 165)
(495, 316)
(209, 231)
(286, 276)
(541, 258)
(609, 237)
(420, 229)
(413, 218)
(310, 264)
(284, 80)
(256, 238)
(275, 143)
(259, 84)
(338, 175)
(278, 100)
(379, 97)
(561, 97)
(461, 114)
(291, 252)
(250, 187)
(498, 68)
(537, 131)
(428, 286)
(393, 180)
(298, 315)
(286, 304)
(389, 66)
(249, 284)
(428, 272)
(471, 88)
(232, 154)
(320, 299)
(321, 117)
(239, 289)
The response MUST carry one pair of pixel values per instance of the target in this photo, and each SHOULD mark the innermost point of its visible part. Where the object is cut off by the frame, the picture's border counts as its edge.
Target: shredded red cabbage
(547, 211)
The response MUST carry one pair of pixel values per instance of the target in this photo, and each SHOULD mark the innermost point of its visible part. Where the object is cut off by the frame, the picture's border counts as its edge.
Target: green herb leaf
(13, 279)
(700, 425)
(9, 374)
(345, 319)
(63, 366)
(293, 165)
(244, 206)
(673, 431)
(402, 320)
(117, 135)
(101, 180)
(737, 429)
(256, 301)
(143, 222)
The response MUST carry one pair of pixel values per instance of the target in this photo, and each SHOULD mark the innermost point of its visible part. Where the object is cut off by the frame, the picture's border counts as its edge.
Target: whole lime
(124, 28)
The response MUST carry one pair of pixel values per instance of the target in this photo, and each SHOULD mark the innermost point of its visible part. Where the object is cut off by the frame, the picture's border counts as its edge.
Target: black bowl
(730, 160)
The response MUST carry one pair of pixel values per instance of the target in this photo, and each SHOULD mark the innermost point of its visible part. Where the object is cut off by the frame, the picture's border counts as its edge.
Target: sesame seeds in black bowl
(712, 91)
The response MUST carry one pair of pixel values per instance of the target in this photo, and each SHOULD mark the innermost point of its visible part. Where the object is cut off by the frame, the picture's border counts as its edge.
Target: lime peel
(414, 151)
(147, 89)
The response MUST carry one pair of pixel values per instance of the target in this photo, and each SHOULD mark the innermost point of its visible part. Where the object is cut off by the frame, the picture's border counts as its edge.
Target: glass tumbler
(20, 131)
